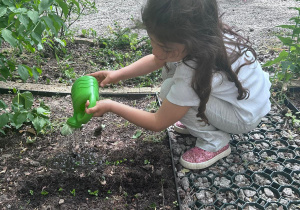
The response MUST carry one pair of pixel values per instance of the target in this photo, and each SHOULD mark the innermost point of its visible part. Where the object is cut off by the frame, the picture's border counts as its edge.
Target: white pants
(220, 115)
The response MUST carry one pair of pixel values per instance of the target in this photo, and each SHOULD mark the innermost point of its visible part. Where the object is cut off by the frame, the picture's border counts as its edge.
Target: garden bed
(109, 163)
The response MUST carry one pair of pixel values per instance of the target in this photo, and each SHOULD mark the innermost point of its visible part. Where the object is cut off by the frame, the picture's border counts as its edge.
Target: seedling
(73, 192)
(44, 192)
(137, 134)
(31, 192)
(95, 193)
(60, 189)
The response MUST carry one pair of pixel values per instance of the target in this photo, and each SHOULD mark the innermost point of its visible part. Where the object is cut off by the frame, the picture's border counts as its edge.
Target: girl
(213, 83)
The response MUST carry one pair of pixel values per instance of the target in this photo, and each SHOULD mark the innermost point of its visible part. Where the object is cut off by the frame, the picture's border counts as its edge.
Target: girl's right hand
(105, 77)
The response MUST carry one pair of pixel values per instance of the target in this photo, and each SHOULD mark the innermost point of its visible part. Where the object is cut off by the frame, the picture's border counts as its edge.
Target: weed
(155, 138)
(294, 119)
(175, 203)
(146, 162)
(152, 107)
(288, 62)
(95, 193)
(44, 193)
(137, 134)
(31, 192)
(153, 206)
(73, 192)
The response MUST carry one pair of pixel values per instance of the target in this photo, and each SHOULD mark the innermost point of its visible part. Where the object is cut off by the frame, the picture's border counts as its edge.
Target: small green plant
(295, 120)
(152, 106)
(156, 137)
(65, 67)
(153, 206)
(175, 203)
(137, 134)
(122, 48)
(22, 113)
(31, 192)
(73, 192)
(288, 62)
(60, 189)
(44, 193)
(95, 193)
(146, 162)
(89, 33)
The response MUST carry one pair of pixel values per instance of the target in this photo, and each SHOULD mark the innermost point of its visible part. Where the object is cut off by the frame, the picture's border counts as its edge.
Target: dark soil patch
(100, 166)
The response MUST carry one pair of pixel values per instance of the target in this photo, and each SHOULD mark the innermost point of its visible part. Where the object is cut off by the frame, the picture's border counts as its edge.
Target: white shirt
(252, 77)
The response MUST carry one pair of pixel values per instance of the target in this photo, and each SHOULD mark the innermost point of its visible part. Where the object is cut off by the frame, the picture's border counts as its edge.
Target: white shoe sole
(181, 130)
(206, 164)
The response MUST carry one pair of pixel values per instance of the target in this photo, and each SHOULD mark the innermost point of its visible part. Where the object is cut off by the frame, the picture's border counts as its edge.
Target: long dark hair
(197, 24)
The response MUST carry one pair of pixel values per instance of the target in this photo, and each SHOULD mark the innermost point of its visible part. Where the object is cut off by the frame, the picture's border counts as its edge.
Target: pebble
(249, 193)
(268, 193)
(287, 192)
(185, 183)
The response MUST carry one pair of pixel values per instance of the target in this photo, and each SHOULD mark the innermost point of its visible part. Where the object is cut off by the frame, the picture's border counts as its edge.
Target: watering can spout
(84, 88)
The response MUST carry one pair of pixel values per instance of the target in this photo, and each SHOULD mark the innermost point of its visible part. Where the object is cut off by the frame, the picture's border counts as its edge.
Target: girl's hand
(105, 77)
(102, 107)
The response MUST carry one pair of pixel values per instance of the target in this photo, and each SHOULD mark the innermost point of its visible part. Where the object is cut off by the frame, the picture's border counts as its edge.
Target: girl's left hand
(100, 108)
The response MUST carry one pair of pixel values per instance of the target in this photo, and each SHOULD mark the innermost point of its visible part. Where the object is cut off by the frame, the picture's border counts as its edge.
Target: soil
(100, 166)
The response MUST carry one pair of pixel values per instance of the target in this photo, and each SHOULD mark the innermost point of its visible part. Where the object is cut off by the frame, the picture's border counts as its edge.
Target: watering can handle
(84, 117)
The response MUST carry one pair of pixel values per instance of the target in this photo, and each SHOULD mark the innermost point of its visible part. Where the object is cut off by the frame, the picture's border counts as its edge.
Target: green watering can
(84, 88)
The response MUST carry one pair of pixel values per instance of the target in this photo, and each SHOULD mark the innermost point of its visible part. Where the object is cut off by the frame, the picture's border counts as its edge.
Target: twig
(163, 195)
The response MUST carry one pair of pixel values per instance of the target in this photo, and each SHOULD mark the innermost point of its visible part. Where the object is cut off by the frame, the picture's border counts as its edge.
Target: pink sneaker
(180, 128)
(197, 158)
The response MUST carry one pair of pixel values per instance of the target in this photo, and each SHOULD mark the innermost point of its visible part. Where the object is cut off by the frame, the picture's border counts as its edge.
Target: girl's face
(171, 52)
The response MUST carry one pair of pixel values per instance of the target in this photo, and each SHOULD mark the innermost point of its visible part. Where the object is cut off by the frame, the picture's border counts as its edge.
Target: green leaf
(57, 21)
(18, 119)
(3, 120)
(7, 3)
(287, 26)
(286, 40)
(39, 123)
(24, 20)
(36, 73)
(66, 130)
(23, 100)
(77, 5)
(7, 36)
(23, 72)
(283, 55)
(44, 5)
(60, 41)
(34, 16)
(3, 11)
(137, 134)
(28, 99)
(42, 111)
(2, 105)
(64, 7)
(50, 25)
(5, 72)
(36, 37)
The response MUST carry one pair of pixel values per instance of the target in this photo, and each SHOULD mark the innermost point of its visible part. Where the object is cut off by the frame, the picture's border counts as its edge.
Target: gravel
(261, 177)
